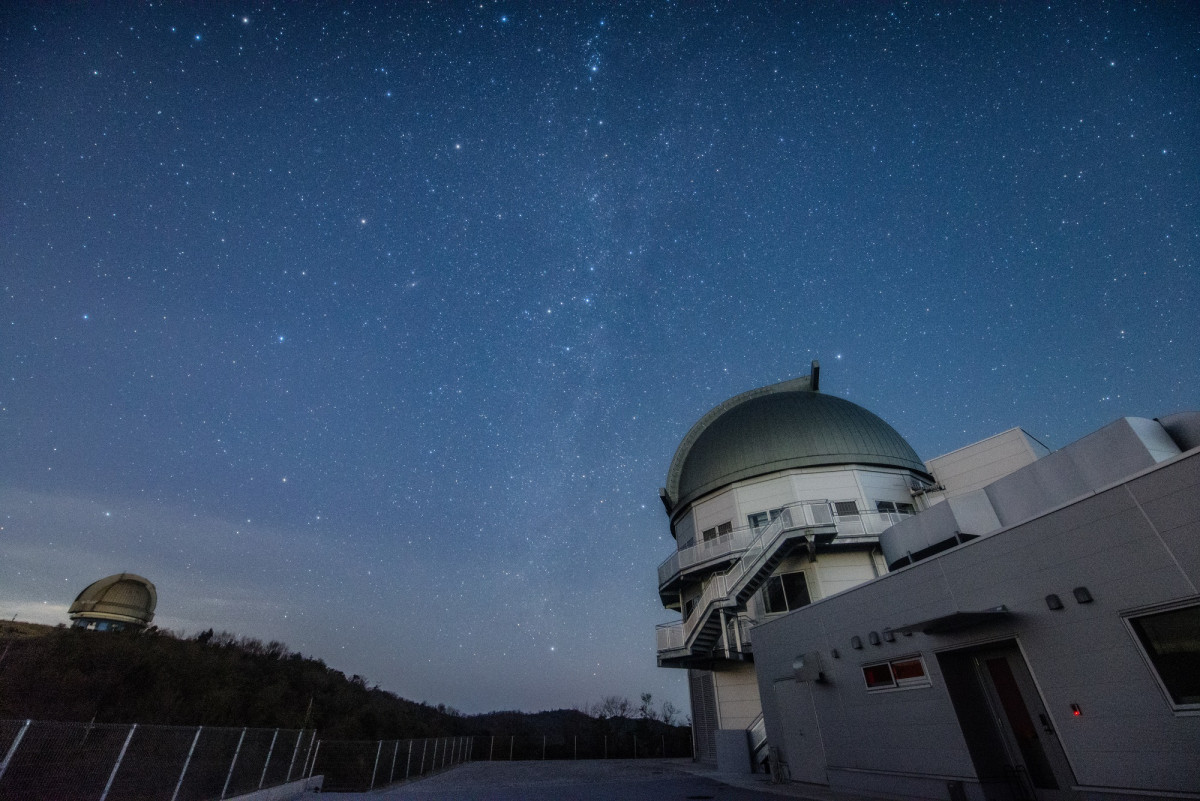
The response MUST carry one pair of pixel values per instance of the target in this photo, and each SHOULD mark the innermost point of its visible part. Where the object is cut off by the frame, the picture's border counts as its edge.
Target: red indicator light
(1075, 710)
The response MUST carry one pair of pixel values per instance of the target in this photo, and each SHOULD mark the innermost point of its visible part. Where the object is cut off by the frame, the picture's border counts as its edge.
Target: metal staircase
(731, 589)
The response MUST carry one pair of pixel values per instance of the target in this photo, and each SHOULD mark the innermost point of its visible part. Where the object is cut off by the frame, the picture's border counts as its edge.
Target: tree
(646, 711)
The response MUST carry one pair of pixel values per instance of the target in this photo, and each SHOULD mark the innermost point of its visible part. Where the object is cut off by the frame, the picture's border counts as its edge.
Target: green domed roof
(776, 428)
(124, 598)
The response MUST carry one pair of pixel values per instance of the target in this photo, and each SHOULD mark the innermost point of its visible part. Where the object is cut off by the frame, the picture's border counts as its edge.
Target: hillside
(51, 673)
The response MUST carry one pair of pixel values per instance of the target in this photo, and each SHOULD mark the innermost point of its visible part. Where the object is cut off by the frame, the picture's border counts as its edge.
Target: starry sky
(373, 329)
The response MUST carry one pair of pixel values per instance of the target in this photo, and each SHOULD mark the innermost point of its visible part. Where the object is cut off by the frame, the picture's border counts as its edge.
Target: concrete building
(1032, 632)
(116, 603)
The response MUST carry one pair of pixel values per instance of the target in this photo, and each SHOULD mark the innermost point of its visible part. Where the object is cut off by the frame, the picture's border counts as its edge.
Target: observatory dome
(121, 601)
(775, 428)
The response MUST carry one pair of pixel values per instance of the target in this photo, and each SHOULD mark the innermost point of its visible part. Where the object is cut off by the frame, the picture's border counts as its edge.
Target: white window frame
(763, 591)
(1188, 709)
(770, 513)
(718, 530)
(855, 515)
(913, 683)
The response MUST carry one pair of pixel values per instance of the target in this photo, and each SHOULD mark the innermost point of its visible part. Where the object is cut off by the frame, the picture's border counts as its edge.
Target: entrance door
(801, 734)
(1025, 728)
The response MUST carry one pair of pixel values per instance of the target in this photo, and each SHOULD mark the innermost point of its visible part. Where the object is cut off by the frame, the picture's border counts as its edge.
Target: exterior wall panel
(1129, 558)
(737, 695)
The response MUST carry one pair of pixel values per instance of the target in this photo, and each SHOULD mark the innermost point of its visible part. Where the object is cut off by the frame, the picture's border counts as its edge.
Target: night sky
(373, 330)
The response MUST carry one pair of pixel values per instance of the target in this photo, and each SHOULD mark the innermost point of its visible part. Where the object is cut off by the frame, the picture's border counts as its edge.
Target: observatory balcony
(716, 552)
(704, 634)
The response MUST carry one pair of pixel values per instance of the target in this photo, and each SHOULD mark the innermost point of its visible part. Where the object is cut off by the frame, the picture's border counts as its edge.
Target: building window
(1172, 642)
(785, 592)
(717, 531)
(760, 519)
(845, 508)
(897, 674)
(894, 507)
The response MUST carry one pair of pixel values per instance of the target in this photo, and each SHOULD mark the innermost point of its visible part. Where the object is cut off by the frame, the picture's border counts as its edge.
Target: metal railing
(719, 585)
(364, 765)
(669, 636)
(725, 545)
(127, 762)
(866, 524)
(50, 761)
(735, 543)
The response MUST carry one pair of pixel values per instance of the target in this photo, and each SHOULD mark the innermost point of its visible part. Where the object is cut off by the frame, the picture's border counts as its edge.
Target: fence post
(445, 750)
(117, 766)
(491, 747)
(392, 772)
(543, 746)
(664, 744)
(316, 753)
(511, 741)
(295, 752)
(267, 764)
(375, 769)
(635, 746)
(577, 746)
(186, 762)
(606, 746)
(12, 749)
(232, 764)
(408, 763)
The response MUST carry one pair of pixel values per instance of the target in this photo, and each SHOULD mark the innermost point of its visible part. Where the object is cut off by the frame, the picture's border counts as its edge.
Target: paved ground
(591, 780)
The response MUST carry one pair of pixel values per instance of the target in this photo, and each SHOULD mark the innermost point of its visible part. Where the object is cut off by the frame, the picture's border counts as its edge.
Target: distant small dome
(125, 599)
(779, 427)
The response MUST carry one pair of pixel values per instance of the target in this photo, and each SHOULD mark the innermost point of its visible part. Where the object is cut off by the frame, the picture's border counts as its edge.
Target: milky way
(374, 330)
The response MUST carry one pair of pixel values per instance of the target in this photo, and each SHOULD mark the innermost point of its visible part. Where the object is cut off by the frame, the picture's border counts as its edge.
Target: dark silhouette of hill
(49, 673)
(218, 679)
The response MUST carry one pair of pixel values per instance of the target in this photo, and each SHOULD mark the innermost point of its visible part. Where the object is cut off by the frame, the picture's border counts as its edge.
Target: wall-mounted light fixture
(888, 636)
(856, 642)
(873, 637)
(1082, 595)
(1054, 602)
(807, 667)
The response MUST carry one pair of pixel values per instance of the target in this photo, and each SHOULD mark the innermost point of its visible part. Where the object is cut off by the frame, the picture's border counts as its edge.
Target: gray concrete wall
(1134, 546)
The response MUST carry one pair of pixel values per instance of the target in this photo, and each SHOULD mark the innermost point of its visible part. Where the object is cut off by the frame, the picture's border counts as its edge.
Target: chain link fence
(47, 761)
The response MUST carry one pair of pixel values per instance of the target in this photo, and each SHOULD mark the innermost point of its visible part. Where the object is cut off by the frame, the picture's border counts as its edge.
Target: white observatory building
(1001, 623)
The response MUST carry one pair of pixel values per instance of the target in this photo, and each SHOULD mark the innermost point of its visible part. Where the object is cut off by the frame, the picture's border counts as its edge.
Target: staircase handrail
(719, 584)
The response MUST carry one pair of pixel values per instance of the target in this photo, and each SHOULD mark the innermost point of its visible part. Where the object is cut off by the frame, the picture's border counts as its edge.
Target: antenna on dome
(814, 376)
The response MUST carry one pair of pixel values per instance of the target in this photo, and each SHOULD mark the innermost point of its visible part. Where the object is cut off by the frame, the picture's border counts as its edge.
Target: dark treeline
(218, 679)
